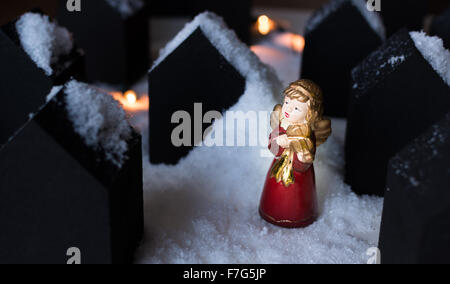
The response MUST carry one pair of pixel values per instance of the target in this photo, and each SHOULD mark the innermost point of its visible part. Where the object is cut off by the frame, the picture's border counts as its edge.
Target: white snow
(372, 18)
(394, 61)
(44, 41)
(99, 119)
(126, 7)
(54, 91)
(205, 209)
(432, 48)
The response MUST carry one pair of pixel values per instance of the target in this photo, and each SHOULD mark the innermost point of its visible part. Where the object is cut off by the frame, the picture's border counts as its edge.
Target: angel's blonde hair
(306, 91)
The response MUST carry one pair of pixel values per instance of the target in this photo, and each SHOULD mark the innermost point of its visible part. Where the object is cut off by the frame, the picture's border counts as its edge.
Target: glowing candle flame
(131, 97)
(130, 101)
(265, 25)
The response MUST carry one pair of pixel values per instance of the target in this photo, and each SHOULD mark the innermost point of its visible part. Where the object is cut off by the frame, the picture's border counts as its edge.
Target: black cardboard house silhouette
(339, 36)
(397, 94)
(66, 62)
(193, 69)
(24, 85)
(416, 216)
(57, 193)
(114, 37)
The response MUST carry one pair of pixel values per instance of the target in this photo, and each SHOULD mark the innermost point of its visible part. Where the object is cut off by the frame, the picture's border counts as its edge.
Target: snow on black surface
(396, 51)
(126, 7)
(228, 44)
(43, 40)
(381, 63)
(99, 119)
(432, 48)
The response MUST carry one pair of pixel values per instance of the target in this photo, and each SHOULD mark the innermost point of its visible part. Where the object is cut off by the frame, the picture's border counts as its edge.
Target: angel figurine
(289, 198)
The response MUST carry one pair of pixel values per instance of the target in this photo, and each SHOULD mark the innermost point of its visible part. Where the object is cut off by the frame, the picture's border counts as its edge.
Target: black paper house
(50, 47)
(16, 65)
(398, 14)
(35, 53)
(59, 190)
(115, 37)
(236, 13)
(397, 94)
(193, 69)
(338, 37)
(416, 217)
(441, 27)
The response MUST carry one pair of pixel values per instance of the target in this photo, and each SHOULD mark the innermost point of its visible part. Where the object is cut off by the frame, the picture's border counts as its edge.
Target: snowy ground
(205, 209)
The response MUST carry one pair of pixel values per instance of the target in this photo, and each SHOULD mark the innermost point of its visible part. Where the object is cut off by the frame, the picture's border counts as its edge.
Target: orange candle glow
(130, 101)
(265, 25)
(293, 41)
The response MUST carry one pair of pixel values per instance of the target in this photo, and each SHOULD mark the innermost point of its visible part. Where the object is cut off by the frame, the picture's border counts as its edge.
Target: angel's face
(294, 111)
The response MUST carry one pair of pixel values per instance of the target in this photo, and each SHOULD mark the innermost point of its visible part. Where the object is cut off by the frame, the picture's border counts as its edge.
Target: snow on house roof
(99, 119)
(43, 40)
(372, 18)
(226, 42)
(395, 52)
(126, 7)
(432, 48)
(381, 63)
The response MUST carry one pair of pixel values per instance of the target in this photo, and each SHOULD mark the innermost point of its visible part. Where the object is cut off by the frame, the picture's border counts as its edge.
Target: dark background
(12, 9)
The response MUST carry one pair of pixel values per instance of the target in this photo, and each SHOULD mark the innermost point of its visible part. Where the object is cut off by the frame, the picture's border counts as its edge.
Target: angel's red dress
(294, 206)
